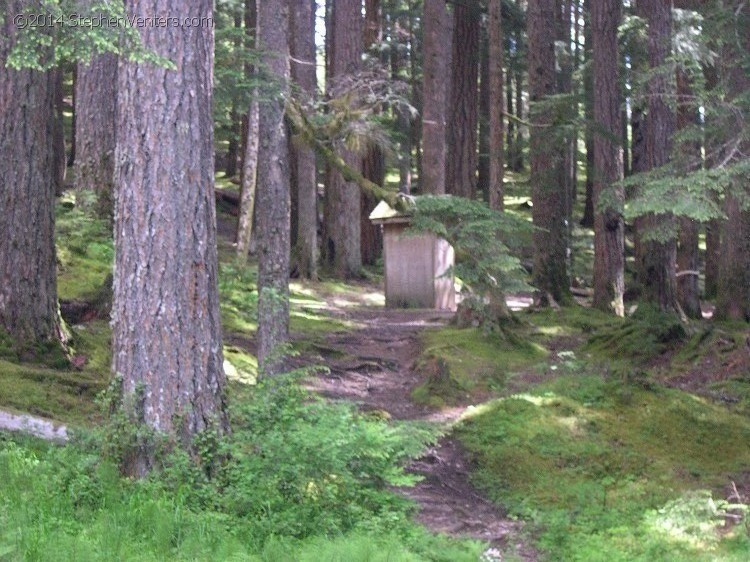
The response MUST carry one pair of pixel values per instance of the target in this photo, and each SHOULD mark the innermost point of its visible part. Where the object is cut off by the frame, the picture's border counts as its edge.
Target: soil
(373, 366)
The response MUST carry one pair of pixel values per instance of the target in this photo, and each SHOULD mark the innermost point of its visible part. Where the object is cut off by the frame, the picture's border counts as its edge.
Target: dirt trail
(374, 367)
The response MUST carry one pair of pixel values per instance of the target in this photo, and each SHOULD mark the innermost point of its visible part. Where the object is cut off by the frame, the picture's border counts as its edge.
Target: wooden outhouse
(418, 267)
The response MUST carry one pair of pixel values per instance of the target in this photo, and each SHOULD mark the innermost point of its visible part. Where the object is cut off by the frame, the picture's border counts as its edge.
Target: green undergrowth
(85, 251)
(457, 364)
(63, 393)
(613, 471)
(298, 479)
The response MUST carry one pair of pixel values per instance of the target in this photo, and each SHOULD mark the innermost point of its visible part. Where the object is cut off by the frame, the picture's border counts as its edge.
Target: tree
(28, 292)
(166, 327)
(550, 274)
(342, 245)
(609, 238)
(273, 189)
(249, 171)
(494, 22)
(303, 71)
(96, 103)
(461, 166)
(733, 295)
(659, 252)
(434, 70)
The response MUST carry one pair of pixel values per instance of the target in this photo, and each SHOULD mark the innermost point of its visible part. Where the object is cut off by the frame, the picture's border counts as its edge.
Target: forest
(375, 280)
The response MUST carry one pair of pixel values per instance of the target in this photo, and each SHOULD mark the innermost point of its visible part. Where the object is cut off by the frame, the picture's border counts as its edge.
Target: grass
(611, 471)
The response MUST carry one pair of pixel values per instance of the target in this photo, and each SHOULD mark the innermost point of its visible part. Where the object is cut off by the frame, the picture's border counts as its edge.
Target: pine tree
(166, 326)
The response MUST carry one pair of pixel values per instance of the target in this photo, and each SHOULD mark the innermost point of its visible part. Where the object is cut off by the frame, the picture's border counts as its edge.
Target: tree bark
(483, 169)
(60, 158)
(249, 171)
(658, 258)
(550, 273)
(609, 233)
(166, 328)
(28, 291)
(494, 21)
(434, 95)
(461, 164)
(587, 220)
(373, 161)
(96, 104)
(273, 191)
(688, 292)
(343, 250)
(303, 70)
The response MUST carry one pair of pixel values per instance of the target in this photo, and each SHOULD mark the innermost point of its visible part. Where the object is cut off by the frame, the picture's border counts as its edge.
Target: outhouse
(418, 267)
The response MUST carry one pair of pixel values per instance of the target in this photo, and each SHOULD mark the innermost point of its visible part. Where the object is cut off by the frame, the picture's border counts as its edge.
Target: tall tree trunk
(166, 331)
(550, 274)
(273, 191)
(303, 69)
(72, 154)
(58, 134)
(587, 220)
(733, 296)
(564, 86)
(434, 96)
(609, 232)
(96, 106)
(483, 169)
(714, 226)
(518, 160)
(28, 291)
(461, 164)
(511, 136)
(688, 293)
(658, 259)
(343, 198)
(249, 171)
(403, 119)
(494, 21)
(373, 161)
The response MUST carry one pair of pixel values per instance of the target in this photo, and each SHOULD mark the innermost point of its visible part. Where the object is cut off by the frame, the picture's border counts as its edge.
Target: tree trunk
(494, 21)
(303, 69)
(658, 258)
(550, 274)
(511, 143)
(403, 119)
(166, 332)
(273, 191)
(249, 172)
(587, 220)
(461, 164)
(96, 105)
(72, 155)
(373, 161)
(58, 134)
(609, 233)
(28, 291)
(483, 169)
(688, 292)
(343, 250)
(434, 96)
(518, 161)
(733, 296)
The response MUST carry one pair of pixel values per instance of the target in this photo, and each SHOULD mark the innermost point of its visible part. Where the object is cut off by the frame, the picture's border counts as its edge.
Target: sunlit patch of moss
(590, 459)
(240, 366)
(459, 363)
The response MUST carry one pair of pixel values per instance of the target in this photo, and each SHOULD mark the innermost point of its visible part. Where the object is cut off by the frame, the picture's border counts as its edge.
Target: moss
(643, 337)
(590, 458)
(460, 363)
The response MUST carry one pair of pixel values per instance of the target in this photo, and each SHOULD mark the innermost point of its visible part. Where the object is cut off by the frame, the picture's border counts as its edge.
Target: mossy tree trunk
(166, 327)
(273, 190)
(28, 288)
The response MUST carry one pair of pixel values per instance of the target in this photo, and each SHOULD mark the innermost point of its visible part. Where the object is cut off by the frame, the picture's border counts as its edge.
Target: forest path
(373, 366)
